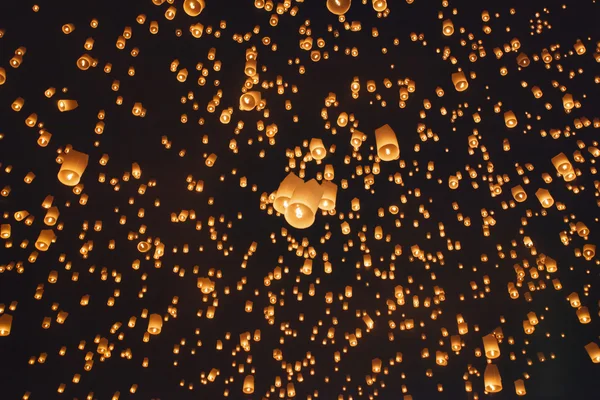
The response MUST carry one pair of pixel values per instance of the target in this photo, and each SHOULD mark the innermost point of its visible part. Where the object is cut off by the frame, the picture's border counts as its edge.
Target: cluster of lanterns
(535, 191)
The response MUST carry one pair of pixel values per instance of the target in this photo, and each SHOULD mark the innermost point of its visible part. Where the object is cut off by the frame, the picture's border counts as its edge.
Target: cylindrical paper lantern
(303, 204)
(387, 143)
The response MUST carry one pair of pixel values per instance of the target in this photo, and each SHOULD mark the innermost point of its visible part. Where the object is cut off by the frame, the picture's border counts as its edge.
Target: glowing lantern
(589, 251)
(44, 239)
(490, 345)
(544, 197)
(2, 76)
(519, 194)
(67, 105)
(5, 324)
(327, 202)
(379, 5)
(248, 384)
(339, 7)
(520, 387)
(447, 27)
(193, 8)
(72, 168)
(304, 204)
(249, 100)
(317, 149)
(387, 143)
(510, 119)
(155, 323)
(460, 81)
(584, 315)
(492, 379)
(592, 349)
(285, 191)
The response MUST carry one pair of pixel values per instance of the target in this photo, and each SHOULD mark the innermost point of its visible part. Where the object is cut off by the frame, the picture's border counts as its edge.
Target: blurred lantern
(193, 8)
(339, 7)
(248, 384)
(592, 349)
(6, 323)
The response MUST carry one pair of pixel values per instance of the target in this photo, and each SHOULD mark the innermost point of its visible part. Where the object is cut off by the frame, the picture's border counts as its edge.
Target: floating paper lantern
(339, 7)
(285, 191)
(387, 143)
(249, 100)
(460, 81)
(155, 323)
(520, 387)
(44, 240)
(193, 8)
(67, 105)
(317, 149)
(592, 349)
(328, 200)
(447, 27)
(379, 5)
(72, 168)
(5, 324)
(2, 76)
(303, 204)
(519, 194)
(510, 119)
(492, 379)
(248, 387)
(490, 345)
(544, 198)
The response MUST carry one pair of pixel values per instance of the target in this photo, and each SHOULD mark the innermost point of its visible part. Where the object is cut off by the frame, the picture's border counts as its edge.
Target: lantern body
(490, 344)
(303, 204)
(5, 324)
(327, 202)
(492, 379)
(72, 168)
(155, 324)
(193, 8)
(285, 191)
(592, 349)
(387, 143)
(249, 100)
(249, 384)
(67, 105)
(43, 241)
(339, 7)
(460, 81)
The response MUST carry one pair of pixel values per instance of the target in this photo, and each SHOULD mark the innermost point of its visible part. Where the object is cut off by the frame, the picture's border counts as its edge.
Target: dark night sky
(50, 61)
